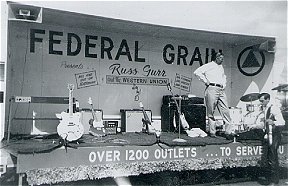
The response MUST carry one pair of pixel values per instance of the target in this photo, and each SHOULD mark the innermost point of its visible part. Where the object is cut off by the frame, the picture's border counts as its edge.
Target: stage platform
(45, 161)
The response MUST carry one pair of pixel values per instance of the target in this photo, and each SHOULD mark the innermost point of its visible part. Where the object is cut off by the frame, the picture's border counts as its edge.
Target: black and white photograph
(144, 93)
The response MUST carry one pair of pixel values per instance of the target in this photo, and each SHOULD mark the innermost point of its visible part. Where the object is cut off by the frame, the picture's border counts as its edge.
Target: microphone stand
(179, 120)
(179, 113)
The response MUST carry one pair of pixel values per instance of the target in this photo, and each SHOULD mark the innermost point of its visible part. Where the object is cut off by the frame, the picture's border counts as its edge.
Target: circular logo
(248, 61)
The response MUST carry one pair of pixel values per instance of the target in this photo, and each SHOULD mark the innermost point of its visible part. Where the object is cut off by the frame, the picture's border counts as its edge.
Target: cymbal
(250, 97)
(281, 87)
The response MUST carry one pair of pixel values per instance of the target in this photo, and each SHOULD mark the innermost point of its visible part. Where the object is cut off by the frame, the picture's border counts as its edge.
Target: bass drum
(254, 120)
(236, 115)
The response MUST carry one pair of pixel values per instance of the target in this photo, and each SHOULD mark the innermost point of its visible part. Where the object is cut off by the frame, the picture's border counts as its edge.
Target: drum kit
(253, 117)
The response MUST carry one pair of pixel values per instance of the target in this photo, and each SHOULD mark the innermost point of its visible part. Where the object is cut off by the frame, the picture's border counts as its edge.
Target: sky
(245, 17)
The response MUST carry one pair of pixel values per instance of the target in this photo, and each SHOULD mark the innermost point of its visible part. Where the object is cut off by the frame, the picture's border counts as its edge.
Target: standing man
(213, 76)
(274, 118)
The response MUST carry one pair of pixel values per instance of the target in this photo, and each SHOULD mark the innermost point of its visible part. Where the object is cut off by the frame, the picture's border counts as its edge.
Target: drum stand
(234, 139)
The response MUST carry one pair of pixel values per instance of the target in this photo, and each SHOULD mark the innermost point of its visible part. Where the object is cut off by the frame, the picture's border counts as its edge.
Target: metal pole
(9, 120)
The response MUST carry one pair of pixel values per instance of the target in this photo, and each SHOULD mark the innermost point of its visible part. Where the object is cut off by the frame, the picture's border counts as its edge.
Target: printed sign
(182, 82)
(86, 79)
(129, 80)
(133, 154)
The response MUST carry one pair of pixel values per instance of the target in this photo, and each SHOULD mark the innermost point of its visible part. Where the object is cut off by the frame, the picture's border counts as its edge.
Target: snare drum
(253, 107)
(236, 115)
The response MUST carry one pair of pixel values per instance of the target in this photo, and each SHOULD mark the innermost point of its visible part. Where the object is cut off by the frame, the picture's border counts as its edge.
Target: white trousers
(216, 97)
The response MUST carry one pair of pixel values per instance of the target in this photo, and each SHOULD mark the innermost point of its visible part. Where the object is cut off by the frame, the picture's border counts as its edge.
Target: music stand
(179, 122)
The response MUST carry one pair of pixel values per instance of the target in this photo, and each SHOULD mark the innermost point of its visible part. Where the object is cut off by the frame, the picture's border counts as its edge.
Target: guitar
(70, 128)
(146, 121)
(95, 122)
(183, 121)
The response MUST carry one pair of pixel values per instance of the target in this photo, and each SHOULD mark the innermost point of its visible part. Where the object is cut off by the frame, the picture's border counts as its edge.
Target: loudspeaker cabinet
(195, 115)
(131, 119)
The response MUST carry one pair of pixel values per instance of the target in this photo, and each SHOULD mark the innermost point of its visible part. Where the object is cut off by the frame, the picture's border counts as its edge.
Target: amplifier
(110, 127)
(131, 119)
(167, 99)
